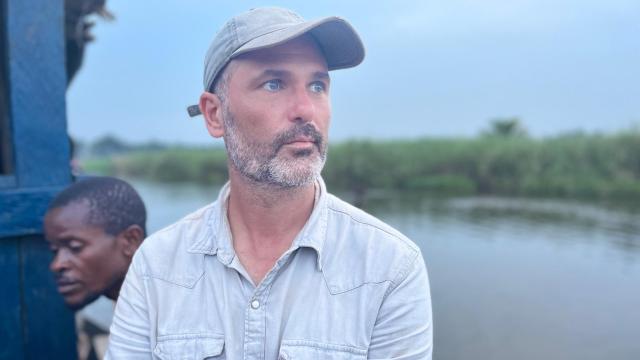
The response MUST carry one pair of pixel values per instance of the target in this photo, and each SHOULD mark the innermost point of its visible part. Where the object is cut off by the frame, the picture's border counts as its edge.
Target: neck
(264, 220)
(264, 209)
(113, 292)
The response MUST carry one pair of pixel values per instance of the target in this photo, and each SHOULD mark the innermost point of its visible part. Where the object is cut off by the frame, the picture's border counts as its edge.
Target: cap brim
(338, 41)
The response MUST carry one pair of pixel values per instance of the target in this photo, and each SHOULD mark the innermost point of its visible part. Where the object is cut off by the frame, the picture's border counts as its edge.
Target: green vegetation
(201, 165)
(501, 162)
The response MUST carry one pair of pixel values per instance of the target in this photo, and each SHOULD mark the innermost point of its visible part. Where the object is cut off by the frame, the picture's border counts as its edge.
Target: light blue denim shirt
(350, 287)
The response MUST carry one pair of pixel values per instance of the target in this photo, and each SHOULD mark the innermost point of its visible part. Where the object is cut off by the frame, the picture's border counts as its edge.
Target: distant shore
(566, 166)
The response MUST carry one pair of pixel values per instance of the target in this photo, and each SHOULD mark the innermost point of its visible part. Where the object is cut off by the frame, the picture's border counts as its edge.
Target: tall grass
(573, 165)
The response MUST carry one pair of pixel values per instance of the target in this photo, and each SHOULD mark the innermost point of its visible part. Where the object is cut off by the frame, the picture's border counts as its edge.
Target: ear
(130, 239)
(211, 108)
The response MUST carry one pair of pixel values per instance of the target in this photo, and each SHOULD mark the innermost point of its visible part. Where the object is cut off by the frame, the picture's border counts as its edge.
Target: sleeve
(129, 333)
(404, 326)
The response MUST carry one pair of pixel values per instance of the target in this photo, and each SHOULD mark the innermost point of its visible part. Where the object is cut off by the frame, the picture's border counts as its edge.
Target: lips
(66, 286)
(299, 134)
(301, 140)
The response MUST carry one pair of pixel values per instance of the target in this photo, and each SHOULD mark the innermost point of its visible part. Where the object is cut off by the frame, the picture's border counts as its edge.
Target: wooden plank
(22, 211)
(38, 324)
(47, 321)
(10, 317)
(37, 84)
(7, 181)
(6, 156)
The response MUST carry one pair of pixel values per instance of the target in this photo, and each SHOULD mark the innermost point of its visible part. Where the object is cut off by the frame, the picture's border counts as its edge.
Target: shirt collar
(215, 239)
(211, 239)
(314, 232)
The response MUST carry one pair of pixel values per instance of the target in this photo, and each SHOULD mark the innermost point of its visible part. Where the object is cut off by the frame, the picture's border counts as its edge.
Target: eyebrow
(321, 75)
(274, 73)
(66, 240)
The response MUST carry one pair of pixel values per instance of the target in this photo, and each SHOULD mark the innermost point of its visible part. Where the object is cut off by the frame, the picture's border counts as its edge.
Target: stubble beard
(264, 164)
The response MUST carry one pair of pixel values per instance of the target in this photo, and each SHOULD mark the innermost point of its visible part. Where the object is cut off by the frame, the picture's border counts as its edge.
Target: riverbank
(570, 166)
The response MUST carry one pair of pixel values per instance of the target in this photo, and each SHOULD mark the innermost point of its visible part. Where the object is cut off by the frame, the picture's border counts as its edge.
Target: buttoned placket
(255, 319)
(256, 305)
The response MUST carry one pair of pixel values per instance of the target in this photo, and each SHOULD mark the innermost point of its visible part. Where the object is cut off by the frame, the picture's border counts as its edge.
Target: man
(93, 229)
(276, 268)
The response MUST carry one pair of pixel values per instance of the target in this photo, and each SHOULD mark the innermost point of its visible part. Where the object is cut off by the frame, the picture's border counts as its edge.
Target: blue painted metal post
(34, 323)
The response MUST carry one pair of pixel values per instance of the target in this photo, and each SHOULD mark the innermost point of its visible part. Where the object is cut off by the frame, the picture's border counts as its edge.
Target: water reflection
(563, 220)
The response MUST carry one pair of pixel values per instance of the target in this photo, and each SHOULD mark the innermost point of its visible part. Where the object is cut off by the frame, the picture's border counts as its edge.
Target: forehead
(302, 50)
(68, 219)
(73, 213)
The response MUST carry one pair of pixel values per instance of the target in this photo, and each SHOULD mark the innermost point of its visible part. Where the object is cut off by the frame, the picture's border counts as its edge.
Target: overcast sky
(433, 68)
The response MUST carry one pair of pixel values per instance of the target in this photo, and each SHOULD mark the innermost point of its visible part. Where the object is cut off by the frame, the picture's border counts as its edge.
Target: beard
(262, 162)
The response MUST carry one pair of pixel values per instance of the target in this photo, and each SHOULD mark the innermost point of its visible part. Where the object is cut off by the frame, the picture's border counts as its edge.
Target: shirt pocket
(189, 347)
(312, 350)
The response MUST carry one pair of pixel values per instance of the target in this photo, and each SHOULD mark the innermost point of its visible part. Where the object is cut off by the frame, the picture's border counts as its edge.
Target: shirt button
(255, 304)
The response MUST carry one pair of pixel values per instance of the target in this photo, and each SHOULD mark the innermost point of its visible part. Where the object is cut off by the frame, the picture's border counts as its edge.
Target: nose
(59, 263)
(303, 108)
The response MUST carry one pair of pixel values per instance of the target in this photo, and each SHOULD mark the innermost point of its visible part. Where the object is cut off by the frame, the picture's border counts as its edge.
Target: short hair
(114, 205)
(220, 85)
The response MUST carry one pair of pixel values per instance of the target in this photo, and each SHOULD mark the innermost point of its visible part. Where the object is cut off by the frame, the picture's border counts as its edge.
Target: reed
(570, 165)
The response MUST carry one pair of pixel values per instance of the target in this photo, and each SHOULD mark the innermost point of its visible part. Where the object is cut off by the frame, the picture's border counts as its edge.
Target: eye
(318, 87)
(273, 85)
(53, 249)
(76, 246)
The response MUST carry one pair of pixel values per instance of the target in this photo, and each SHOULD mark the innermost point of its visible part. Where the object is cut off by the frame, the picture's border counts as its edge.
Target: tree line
(501, 163)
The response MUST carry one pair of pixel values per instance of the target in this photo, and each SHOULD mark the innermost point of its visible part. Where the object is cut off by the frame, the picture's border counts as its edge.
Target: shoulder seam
(362, 222)
(404, 272)
(409, 244)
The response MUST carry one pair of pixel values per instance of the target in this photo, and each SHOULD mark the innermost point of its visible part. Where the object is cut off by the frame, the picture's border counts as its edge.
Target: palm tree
(506, 127)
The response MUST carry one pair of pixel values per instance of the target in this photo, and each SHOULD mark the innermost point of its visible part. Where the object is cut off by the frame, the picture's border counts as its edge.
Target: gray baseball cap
(266, 27)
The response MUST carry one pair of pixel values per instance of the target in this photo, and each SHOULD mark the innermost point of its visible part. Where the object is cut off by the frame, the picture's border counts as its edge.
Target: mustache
(307, 130)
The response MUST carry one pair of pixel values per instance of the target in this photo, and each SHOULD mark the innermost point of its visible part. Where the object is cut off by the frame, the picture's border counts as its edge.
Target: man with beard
(276, 267)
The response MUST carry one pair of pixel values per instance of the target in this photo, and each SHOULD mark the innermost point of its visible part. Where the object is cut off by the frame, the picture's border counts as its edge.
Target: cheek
(259, 129)
(323, 111)
(97, 265)
(325, 120)
(255, 110)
